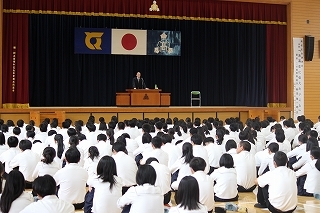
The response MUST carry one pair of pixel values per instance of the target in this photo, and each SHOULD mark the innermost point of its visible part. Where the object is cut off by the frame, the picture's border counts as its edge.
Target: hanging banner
(127, 42)
(298, 78)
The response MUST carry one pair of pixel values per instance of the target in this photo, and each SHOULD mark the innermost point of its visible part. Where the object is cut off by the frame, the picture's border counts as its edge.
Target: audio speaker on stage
(309, 47)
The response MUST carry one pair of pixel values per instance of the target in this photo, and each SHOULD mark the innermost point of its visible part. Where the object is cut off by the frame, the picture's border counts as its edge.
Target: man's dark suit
(138, 84)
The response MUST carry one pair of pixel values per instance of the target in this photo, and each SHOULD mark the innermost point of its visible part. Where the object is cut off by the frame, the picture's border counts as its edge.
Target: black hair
(25, 144)
(311, 143)
(193, 131)
(280, 136)
(220, 134)
(146, 174)
(146, 128)
(93, 152)
(16, 131)
(101, 137)
(196, 139)
(230, 145)
(317, 165)
(187, 152)
(166, 138)
(44, 185)
(280, 158)
(149, 160)
(48, 154)
(246, 145)
(119, 146)
(146, 138)
(1, 176)
(59, 139)
(30, 134)
(73, 141)
(107, 169)
(197, 164)
(14, 187)
(187, 195)
(52, 132)
(315, 152)
(103, 126)
(303, 138)
(2, 139)
(13, 141)
(110, 134)
(226, 160)
(156, 142)
(273, 147)
(72, 155)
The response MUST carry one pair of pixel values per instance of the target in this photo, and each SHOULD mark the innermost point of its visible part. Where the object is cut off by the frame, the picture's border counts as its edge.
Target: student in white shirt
(199, 150)
(231, 147)
(13, 197)
(8, 155)
(163, 178)
(107, 187)
(214, 153)
(226, 188)
(308, 175)
(172, 151)
(104, 146)
(126, 166)
(205, 182)
(181, 167)
(91, 162)
(187, 197)
(297, 152)
(26, 161)
(72, 180)
(244, 163)
(45, 189)
(266, 165)
(145, 197)
(156, 152)
(47, 166)
(279, 186)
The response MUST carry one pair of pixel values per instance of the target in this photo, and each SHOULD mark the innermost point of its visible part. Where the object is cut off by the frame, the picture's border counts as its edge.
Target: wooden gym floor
(305, 204)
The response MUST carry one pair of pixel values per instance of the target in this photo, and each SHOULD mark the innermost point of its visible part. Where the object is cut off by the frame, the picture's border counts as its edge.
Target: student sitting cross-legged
(279, 186)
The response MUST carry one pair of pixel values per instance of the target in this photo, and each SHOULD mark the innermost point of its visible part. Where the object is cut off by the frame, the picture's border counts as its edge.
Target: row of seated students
(230, 164)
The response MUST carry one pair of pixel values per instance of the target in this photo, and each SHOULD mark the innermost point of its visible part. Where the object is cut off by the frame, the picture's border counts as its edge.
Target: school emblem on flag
(129, 42)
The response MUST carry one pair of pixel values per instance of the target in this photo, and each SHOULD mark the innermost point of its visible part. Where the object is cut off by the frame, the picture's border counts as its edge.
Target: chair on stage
(195, 96)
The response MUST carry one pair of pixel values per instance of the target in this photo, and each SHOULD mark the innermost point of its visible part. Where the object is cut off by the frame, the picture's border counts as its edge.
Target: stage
(38, 114)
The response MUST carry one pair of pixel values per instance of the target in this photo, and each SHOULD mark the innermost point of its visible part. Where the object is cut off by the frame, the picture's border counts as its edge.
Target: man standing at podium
(138, 82)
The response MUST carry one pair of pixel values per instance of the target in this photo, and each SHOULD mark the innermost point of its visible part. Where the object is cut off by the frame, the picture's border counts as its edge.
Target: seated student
(199, 150)
(279, 186)
(126, 166)
(163, 178)
(14, 198)
(91, 162)
(26, 161)
(294, 154)
(157, 152)
(205, 183)
(187, 197)
(145, 197)
(3, 145)
(311, 170)
(305, 157)
(72, 179)
(214, 153)
(181, 167)
(47, 166)
(231, 147)
(45, 189)
(107, 187)
(226, 188)
(244, 163)
(8, 155)
(266, 165)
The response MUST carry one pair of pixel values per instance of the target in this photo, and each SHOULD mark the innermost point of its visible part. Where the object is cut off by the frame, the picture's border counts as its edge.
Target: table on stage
(143, 97)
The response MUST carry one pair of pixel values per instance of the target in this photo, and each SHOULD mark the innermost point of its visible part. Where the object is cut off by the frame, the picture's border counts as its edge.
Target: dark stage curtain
(15, 66)
(225, 61)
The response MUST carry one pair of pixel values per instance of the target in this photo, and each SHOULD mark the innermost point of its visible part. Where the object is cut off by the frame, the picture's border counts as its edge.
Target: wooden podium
(143, 97)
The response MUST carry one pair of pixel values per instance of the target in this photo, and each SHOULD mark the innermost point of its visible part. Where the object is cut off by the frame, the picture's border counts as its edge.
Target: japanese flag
(129, 42)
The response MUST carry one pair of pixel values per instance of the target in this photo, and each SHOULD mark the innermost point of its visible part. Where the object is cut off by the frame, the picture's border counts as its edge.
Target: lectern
(143, 97)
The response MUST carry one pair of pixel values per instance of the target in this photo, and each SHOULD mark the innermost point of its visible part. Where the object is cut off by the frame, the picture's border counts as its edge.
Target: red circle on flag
(129, 41)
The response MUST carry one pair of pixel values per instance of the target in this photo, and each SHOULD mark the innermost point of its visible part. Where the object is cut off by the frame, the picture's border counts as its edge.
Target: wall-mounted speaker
(309, 47)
